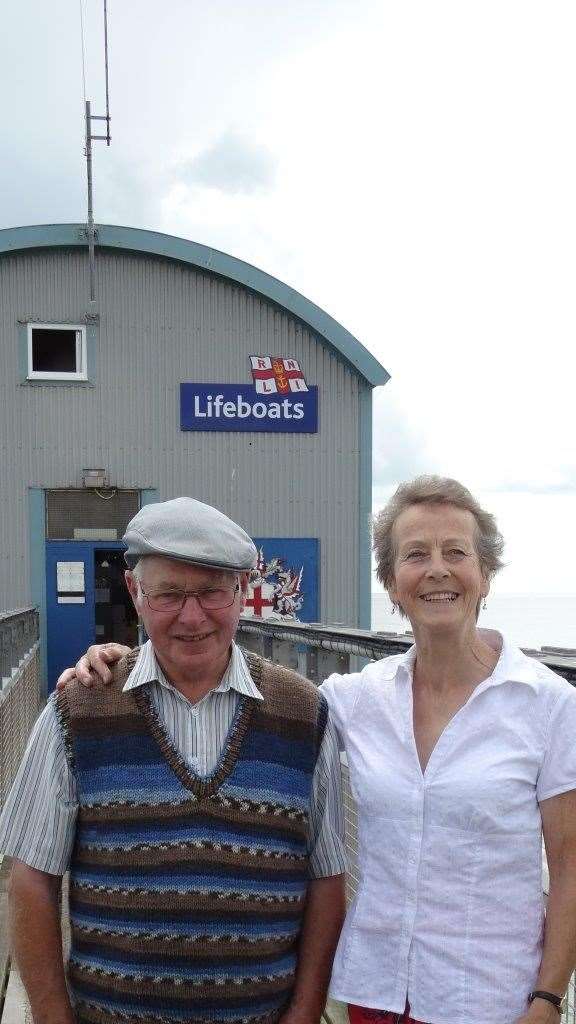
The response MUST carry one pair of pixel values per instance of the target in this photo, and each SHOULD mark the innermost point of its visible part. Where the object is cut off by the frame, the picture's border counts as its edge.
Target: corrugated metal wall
(162, 323)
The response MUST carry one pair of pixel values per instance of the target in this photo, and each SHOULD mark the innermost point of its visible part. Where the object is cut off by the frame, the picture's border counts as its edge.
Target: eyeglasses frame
(192, 593)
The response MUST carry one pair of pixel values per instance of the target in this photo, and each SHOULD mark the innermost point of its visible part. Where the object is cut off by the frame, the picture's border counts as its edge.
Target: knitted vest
(187, 892)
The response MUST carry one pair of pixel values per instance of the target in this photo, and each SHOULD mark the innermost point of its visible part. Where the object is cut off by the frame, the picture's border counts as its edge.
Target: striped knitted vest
(187, 893)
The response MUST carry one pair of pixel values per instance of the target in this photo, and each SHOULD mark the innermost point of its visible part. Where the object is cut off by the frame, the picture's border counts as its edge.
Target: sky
(407, 165)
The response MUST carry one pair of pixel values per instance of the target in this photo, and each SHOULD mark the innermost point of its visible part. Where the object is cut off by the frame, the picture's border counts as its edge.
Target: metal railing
(20, 691)
(18, 633)
(316, 650)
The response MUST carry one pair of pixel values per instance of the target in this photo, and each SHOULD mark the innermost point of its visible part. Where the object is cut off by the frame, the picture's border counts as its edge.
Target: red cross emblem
(260, 601)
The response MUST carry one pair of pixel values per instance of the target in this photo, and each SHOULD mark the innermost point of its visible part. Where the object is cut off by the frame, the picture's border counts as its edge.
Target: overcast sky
(410, 166)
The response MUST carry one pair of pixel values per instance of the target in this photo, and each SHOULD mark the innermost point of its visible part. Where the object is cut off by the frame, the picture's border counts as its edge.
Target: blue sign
(285, 579)
(240, 407)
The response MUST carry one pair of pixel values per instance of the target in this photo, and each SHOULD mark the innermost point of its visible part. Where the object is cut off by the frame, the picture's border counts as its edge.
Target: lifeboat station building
(189, 372)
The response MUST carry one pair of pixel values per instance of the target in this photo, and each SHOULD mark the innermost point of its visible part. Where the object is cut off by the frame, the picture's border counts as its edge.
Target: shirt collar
(236, 677)
(512, 665)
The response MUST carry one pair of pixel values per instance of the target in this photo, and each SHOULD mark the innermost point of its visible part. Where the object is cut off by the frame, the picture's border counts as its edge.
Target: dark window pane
(67, 509)
(53, 351)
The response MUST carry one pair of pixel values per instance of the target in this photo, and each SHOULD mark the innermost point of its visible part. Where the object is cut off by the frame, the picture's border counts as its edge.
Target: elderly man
(195, 802)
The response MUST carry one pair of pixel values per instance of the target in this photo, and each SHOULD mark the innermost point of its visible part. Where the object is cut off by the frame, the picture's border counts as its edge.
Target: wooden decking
(14, 1007)
(4, 955)
(335, 1013)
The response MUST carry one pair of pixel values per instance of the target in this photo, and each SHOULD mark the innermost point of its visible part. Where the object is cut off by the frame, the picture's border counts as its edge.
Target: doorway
(115, 617)
(86, 601)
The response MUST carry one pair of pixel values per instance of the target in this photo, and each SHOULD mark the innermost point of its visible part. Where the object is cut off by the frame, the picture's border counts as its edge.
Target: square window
(56, 352)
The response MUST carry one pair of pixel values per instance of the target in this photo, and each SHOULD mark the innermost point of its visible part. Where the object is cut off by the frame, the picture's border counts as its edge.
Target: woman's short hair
(435, 490)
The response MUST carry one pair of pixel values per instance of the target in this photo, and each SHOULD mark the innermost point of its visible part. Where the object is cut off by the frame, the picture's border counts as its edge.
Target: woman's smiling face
(438, 581)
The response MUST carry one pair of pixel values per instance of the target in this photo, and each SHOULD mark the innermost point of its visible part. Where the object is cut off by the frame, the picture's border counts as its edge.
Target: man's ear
(243, 579)
(132, 584)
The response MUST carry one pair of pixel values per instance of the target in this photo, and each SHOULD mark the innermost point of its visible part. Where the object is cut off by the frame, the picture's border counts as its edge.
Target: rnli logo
(275, 375)
(278, 401)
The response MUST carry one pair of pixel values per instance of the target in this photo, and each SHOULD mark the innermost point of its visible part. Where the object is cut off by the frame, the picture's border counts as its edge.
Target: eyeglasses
(210, 599)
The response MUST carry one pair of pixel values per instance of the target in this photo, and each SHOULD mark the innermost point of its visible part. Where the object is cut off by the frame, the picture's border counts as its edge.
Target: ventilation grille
(82, 509)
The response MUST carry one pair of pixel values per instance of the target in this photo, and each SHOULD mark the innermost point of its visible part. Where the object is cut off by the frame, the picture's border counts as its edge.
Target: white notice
(70, 582)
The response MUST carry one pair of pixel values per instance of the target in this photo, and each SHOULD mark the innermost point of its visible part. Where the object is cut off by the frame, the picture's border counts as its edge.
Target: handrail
(20, 690)
(19, 631)
(16, 611)
(374, 645)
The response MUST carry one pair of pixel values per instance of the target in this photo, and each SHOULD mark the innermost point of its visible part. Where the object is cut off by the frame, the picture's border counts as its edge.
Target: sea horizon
(529, 620)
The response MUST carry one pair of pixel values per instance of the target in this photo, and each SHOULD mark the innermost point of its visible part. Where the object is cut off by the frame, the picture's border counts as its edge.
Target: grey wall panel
(162, 323)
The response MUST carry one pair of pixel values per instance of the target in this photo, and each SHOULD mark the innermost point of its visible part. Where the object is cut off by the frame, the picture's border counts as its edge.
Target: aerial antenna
(90, 138)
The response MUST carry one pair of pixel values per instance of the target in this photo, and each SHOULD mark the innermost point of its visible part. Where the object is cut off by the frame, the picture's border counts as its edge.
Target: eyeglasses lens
(210, 600)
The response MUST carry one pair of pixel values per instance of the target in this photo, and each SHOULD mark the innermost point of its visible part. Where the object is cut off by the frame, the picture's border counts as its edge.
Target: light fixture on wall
(94, 478)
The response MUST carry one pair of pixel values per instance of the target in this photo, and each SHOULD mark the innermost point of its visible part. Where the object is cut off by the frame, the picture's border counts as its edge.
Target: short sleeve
(326, 822)
(341, 693)
(38, 821)
(558, 772)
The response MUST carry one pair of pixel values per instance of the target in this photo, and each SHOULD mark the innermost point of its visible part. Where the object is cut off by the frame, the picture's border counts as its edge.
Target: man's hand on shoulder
(93, 668)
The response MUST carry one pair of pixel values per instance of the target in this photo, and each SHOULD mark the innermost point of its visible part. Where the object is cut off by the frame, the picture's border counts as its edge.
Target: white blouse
(450, 912)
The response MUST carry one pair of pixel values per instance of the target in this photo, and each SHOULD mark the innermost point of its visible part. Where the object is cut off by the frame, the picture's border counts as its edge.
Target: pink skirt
(363, 1015)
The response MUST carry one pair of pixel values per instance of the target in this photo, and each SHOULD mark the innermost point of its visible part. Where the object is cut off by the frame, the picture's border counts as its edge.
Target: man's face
(193, 641)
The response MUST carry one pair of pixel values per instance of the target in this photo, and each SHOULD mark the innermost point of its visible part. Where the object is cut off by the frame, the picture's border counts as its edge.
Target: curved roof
(153, 243)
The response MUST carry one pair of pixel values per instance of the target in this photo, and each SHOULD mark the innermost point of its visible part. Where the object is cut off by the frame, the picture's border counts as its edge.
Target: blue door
(70, 601)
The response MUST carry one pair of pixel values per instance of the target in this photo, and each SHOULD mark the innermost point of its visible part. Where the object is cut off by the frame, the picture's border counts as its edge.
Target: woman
(461, 752)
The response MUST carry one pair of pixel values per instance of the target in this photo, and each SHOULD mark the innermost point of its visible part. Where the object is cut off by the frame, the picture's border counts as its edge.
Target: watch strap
(550, 997)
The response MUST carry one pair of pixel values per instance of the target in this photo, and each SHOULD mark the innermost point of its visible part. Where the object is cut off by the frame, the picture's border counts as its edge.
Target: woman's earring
(484, 605)
(393, 609)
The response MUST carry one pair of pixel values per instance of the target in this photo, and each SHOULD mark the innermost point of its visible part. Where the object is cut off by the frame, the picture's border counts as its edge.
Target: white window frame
(81, 367)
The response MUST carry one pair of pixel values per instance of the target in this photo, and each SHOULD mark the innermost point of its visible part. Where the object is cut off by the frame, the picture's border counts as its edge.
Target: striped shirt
(38, 822)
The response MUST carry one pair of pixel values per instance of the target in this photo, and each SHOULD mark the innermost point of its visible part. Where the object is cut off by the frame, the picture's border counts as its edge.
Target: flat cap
(190, 531)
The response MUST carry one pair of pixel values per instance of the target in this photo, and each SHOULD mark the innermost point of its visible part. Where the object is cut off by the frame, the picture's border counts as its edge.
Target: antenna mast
(90, 138)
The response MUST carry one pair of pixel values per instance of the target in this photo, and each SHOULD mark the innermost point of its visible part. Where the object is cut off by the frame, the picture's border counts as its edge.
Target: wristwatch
(550, 997)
